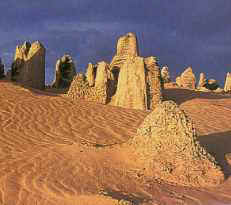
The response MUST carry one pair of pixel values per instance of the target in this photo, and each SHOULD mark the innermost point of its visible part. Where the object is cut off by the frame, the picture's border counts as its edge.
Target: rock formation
(205, 85)
(227, 87)
(211, 84)
(153, 84)
(131, 88)
(178, 81)
(90, 75)
(202, 81)
(80, 88)
(165, 75)
(28, 67)
(188, 79)
(130, 81)
(2, 75)
(64, 72)
(127, 47)
(167, 144)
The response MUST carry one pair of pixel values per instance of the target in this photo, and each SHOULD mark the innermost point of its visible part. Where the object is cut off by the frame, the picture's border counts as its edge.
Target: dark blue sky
(180, 33)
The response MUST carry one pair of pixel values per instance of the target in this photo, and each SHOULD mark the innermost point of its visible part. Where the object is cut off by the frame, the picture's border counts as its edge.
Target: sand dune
(55, 151)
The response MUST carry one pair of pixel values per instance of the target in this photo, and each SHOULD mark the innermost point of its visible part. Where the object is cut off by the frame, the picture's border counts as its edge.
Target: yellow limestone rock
(127, 47)
(131, 88)
(188, 79)
(167, 144)
(165, 75)
(202, 81)
(178, 81)
(80, 88)
(154, 87)
(102, 74)
(90, 75)
(227, 87)
(28, 67)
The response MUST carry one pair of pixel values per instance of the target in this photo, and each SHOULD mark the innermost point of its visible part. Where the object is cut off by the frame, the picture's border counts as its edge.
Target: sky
(180, 33)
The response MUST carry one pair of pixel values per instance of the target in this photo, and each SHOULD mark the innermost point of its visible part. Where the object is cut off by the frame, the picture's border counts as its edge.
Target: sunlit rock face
(131, 88)
(165, 75)
(188, 79)
(227, 87)
(167, 145)
(127, 47)
(28, 67)
(130, 81)
(91, 74)
(154, 83)
(64, 72)
(100, 92)
(202, 81)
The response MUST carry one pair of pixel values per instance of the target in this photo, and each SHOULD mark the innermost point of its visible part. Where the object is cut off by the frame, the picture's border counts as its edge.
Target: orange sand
(57, 152)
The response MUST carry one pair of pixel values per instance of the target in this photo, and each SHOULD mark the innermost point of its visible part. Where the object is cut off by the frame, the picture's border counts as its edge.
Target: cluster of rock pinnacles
(166, 140)
(129, 81)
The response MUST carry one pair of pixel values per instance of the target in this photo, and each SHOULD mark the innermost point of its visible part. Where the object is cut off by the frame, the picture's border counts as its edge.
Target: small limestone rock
(202, 81)
(28, 67)
(64, 72)
(188, 79)
(178, 81)
(167, 144)
(227, 87)
(165, 75)
(90, 75)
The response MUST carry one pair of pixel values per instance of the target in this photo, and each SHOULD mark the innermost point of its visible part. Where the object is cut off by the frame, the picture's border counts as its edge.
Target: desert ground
(55, 151)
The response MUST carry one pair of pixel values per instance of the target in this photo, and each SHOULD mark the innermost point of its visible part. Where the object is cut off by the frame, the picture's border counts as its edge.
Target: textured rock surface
(178, 81)
(227, 87)
(28, 67)
(64, 72)
(80, 88)
(2, 75)
(130, 81)
(202, 81)
(165, 75)
(211, 84)
(188, 79)
(131, 89)
(127, 47)
(154, 87)
(90, 75)
(167, 143)
(102, 75)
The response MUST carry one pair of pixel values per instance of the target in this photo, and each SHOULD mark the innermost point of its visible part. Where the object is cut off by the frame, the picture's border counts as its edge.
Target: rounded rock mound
(167, 144)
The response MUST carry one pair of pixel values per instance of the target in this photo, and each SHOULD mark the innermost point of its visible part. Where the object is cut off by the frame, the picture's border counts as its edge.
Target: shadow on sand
(126, 198)
(218, 145)
(180, 95)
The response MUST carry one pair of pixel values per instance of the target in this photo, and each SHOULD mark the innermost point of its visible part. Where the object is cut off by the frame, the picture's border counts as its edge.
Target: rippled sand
(56, 151)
